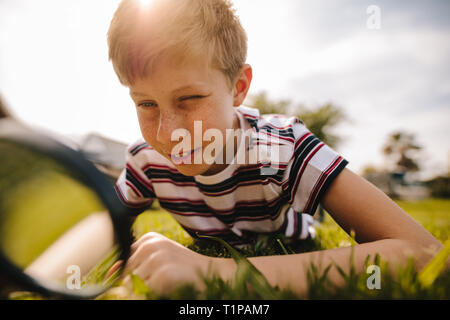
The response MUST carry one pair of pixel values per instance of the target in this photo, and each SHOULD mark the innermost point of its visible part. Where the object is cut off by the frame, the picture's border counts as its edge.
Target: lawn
(433, 214)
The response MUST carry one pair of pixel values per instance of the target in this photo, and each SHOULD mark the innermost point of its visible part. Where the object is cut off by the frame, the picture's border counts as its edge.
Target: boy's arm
(355, 203)
(380, 226)
(74, 247)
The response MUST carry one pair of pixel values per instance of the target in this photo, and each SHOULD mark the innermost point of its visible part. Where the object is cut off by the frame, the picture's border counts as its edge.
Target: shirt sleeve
(312, 168)
(133, 187)
(298, 225)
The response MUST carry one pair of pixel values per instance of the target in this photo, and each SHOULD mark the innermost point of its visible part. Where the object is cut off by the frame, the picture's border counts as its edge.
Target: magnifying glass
(62, 228)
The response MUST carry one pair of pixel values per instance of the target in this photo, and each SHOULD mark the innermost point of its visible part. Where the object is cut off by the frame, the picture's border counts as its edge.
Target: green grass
(431, 283)
(433, 214)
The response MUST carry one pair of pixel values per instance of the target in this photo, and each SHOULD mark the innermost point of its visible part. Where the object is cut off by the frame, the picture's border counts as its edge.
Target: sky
(55, 73)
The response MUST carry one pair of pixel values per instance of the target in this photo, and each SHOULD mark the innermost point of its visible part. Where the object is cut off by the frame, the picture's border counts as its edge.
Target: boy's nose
(168, 123)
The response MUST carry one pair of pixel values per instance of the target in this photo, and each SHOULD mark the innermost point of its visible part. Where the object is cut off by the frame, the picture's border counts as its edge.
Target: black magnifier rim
(14, 131)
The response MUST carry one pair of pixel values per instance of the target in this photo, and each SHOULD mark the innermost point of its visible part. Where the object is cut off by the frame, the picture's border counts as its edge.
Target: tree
(266, 106)
(369, 169)
(320, 121)
(401, 151)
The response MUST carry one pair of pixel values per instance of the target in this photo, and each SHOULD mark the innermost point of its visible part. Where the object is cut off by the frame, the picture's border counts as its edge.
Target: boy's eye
(191, 97)
(147, 104)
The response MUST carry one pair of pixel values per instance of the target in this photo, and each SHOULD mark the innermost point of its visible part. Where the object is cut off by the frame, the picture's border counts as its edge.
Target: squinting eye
(191, 97)
(147, 104)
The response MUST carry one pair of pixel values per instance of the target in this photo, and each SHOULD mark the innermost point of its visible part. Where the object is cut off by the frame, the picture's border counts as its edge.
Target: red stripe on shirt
(129, 203)
(320, 182)
(299, 141)
(137, 176)
(303, 167)
(136, 191)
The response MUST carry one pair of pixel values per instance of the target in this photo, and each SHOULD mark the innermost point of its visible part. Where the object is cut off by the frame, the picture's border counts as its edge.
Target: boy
(184, 62)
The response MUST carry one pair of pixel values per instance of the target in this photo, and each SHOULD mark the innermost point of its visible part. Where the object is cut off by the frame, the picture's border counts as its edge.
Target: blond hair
(210, 29)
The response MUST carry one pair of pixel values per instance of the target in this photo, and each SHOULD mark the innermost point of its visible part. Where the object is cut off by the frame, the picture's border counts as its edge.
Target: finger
(145, 237)
(114, 268)
(139, 254)
(126, 282)
(146, 260)
(143, 272)
(128, 268)
(145, 249)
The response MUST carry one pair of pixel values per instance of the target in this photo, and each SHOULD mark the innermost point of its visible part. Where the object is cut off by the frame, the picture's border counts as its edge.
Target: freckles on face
(181, 95)
(148, 128)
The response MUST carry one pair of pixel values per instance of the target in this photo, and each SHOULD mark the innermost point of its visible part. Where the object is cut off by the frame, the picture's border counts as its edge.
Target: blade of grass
(282, 246)
(246, 271)
(432, 270)
(139, 286)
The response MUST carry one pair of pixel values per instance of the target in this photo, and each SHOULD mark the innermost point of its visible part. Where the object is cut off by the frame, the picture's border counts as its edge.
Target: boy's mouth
(182, 158)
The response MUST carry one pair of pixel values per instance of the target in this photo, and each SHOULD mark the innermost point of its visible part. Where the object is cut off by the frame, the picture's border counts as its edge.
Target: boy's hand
(164, 264)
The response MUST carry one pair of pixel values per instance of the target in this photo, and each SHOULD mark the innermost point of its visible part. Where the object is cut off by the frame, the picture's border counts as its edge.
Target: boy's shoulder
(288, 128)
(253, 114)
(277, 136)
(140, 154)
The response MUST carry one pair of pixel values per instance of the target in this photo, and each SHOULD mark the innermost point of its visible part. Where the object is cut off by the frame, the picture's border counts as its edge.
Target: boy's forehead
(175, 76)
(141, 89)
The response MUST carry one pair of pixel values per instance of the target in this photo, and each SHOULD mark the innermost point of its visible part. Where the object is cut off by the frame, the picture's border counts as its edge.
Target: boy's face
(173, 96)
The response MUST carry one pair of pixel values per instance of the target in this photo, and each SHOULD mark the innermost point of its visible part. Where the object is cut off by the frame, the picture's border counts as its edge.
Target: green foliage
(246, 273)
(432, 282)
(407, 283)
(429, 274)
(432, 214)
(97, 274)
(267, 106)
(321, 122)
(139, 286)
(162, 222)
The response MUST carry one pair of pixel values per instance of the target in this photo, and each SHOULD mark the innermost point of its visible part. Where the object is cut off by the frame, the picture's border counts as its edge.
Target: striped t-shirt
(245, 200)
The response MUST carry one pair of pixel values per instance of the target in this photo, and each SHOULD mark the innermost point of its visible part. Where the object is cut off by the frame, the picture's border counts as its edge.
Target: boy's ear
(242, 84)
